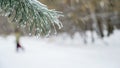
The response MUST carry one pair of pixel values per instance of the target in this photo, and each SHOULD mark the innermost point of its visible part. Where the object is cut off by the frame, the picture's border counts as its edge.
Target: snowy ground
(61, 52)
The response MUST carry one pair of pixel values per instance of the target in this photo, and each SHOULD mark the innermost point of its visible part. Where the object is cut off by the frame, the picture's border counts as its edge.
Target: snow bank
(61, 52)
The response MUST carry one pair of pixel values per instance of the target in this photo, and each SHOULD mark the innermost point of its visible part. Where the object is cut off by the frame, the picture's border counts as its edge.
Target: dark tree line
(83, 15)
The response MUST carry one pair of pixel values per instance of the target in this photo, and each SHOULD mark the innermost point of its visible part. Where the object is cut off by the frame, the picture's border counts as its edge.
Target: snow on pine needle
(31, 14)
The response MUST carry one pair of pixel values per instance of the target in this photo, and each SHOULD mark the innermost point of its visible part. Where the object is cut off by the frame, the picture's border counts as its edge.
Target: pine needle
(32, 14)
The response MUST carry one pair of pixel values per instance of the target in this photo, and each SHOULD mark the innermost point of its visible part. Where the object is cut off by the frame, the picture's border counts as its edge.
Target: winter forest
(59, 33)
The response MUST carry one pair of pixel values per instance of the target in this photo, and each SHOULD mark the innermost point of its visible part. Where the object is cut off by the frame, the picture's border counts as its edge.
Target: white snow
(61, 52)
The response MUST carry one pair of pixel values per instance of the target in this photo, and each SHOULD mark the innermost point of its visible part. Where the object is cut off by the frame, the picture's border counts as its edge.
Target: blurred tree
(84, 15)
(5, 27)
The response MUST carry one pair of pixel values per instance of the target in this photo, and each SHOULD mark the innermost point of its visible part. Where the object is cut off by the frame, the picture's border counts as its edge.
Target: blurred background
(84, 22)
(98, 16)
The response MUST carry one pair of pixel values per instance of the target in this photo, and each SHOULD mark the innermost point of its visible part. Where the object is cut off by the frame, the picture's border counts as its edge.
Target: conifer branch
(31, 13)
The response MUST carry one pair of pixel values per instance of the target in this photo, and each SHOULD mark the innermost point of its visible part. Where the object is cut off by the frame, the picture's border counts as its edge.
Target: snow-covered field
(61, 52)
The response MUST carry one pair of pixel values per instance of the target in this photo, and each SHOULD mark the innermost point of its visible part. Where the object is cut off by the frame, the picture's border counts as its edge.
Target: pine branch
(31, 13)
